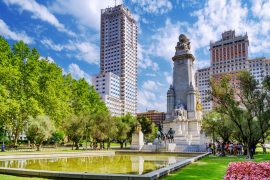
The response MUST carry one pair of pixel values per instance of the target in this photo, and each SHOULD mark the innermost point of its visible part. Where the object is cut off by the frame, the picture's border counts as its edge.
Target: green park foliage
(37, 98)
(241, 114)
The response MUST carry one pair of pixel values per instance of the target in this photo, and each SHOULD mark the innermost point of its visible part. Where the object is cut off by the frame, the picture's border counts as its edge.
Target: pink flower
(248, 171)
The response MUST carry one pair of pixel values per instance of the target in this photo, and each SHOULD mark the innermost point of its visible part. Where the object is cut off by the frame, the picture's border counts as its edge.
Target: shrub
(248, 170)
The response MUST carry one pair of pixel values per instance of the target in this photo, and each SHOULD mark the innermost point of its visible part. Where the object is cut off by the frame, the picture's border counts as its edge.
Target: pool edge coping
(78, 175)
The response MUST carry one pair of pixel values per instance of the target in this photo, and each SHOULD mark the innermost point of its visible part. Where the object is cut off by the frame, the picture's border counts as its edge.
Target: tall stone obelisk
(182, 115)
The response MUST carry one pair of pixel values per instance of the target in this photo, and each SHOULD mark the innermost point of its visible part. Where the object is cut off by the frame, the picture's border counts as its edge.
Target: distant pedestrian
(231, 148)
(240, 149)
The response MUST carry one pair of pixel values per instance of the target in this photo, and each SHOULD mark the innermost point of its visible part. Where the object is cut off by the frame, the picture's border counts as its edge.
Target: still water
(114, 164)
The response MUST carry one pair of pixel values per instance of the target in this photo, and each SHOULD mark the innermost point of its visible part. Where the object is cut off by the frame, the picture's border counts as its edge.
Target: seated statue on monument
(183, 43)
(180, 112)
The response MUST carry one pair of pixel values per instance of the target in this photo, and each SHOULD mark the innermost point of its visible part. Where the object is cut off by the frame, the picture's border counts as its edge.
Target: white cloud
(145, 21)
(211, 21)
(214, 18)
(39, 12)
(86, 12)
(150, 85)
(50, 59)
(152, 95)
(168, 77)
(165, 40)
(151, 100)
(219, 16)
(83, 50)
(88, 52)
(9, 34)
(154, 6)
(57, 47)
(198, 64)
(144, 60)
(77, 73)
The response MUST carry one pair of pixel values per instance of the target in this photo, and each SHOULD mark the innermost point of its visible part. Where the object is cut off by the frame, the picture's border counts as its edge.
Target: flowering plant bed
(248, 171)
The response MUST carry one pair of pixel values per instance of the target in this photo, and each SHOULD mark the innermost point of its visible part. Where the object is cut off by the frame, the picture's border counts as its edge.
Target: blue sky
(67, 32)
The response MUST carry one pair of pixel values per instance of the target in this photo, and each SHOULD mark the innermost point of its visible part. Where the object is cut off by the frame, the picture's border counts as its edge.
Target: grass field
(211, 167)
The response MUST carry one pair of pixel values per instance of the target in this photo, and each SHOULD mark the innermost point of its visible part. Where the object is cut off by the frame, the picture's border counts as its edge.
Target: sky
(67, 32)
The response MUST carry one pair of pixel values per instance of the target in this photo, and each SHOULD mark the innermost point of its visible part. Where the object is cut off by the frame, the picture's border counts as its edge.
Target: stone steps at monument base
(191, 140)
(177, 148)
(190, 148)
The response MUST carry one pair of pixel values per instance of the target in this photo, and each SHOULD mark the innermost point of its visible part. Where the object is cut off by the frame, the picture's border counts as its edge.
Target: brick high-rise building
(155, 116)
(228, 56)
(118, 56)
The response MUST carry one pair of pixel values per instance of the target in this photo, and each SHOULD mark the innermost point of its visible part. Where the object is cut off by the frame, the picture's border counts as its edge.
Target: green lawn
(210, 167)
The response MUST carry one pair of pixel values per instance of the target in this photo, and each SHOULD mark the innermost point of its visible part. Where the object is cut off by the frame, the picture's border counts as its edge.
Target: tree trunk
(108, 144)
(38, 147)
(121, 145)
(77, 145)
(16, 136)
(249, 152)
(100, 145)
(264, 149)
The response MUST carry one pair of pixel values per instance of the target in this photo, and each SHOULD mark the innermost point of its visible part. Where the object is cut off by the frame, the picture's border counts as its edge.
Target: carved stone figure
(183, 43)
(138, 128)
(179, 111)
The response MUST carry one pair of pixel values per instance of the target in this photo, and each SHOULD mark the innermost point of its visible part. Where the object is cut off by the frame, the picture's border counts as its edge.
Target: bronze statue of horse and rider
(164, 137)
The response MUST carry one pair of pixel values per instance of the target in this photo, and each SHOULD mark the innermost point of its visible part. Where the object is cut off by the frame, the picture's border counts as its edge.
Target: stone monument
(137, 139)
(182, 115)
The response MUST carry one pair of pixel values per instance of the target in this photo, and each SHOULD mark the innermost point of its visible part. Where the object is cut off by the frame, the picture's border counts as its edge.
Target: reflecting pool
(113, 164)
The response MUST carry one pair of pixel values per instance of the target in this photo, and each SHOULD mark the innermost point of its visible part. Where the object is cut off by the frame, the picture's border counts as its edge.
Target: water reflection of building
(139, 162)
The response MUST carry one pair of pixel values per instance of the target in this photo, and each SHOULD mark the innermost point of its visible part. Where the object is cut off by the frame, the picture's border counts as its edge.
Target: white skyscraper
(118, 56)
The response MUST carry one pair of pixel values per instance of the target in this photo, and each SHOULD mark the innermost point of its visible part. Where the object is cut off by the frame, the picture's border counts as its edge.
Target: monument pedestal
(137, 141)
(187, 132)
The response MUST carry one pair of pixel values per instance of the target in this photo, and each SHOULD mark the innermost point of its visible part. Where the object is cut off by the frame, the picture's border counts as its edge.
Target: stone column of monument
(182, 115)
(137, 141)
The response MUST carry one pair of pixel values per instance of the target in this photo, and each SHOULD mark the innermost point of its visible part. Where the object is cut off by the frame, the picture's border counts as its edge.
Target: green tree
(57, 137)
(217, 126)
(148, 128)
(123, 130)
(74, 127)
(103, 128)
(248, 112)
(125, 127)
(39, 129)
